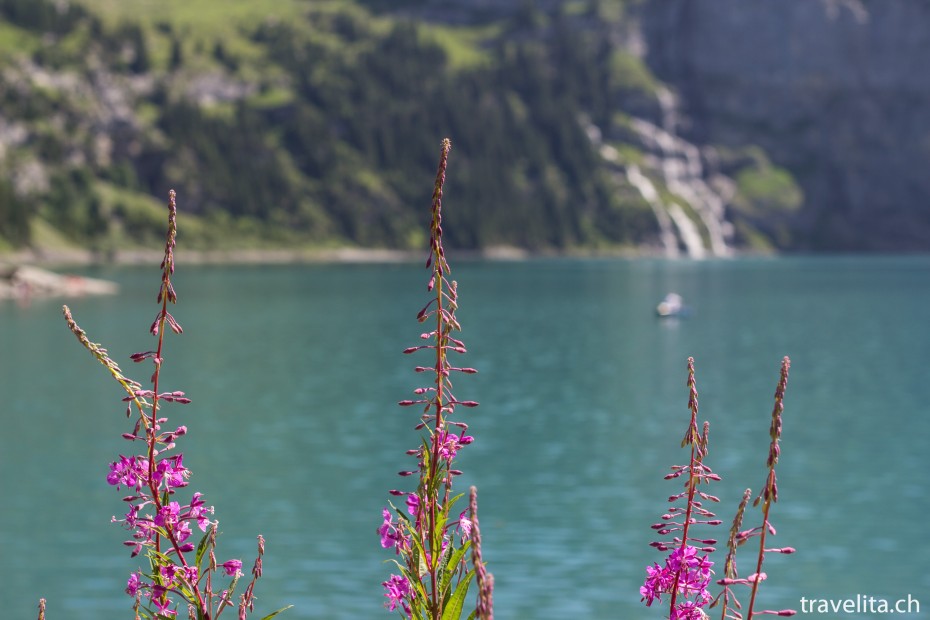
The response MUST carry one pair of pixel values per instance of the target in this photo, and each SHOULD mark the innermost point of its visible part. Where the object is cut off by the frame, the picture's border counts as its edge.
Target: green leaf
(452, 563)
(438, 534)
(421, 556)
(228, 600)
(473, 615)
(422, 566)
(401, 515)
(453, 610)
(425, 454)
(202, 547)
(452, 501)
(275, 613)
(157, 560)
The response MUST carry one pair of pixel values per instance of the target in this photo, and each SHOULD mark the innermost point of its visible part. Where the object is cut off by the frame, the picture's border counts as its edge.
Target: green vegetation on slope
(293, 122)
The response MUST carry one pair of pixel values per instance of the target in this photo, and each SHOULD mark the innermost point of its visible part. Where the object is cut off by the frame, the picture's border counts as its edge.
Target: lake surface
(294, 431)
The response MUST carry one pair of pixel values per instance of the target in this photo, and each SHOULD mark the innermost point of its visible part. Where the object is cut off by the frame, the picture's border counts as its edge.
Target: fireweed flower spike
(430, 542)
(485, 608)
(179, 577)
(730, 575)
(769, 496)
(686, 574)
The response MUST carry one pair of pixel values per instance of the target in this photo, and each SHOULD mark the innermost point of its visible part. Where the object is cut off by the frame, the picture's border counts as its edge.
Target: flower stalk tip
(160, 523)
(485, 607)
(686, 574)
(430, 543)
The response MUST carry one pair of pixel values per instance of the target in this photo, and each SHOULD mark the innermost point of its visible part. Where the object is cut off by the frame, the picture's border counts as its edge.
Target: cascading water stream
(647, 189)
(666, 230)
(679, 162)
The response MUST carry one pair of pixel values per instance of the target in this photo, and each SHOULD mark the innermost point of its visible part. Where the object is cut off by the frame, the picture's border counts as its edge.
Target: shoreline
(267, 256)
(68, 258)
(141, 256)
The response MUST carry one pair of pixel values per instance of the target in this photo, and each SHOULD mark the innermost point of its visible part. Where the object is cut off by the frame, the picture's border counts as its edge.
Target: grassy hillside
(295, 123)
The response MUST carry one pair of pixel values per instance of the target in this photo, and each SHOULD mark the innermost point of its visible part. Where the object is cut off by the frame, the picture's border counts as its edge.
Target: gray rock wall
(837, 91)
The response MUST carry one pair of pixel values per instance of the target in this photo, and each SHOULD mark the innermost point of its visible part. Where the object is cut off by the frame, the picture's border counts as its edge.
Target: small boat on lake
(672, 305)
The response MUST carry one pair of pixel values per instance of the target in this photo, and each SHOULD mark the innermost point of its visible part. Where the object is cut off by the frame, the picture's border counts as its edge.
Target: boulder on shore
(26, 281)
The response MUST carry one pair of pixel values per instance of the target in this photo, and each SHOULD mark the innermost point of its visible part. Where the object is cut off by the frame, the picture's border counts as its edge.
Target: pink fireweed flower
(172, 472)
(155, 523)
(232, 567)
(422, 540)
(169, 571)
(168, 515)
(450, 443)
(183, 531)
(131, 516)
(128, 472)
(686, 575)
(159, 597)
(397, 590)
(133, 584)
(391, 535)
(465, 525)
(198, 512)
(689, 610)
(161, 606)
(693, 574)
(654, 585)
(386, 531)
(413, 504)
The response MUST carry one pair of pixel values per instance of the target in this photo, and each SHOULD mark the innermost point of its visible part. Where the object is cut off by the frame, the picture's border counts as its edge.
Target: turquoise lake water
(294, 431)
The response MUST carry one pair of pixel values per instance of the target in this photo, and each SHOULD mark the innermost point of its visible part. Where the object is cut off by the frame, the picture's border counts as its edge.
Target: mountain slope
(292, 123)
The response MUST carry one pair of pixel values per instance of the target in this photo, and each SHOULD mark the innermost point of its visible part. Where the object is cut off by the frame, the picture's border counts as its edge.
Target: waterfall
(648, 190)
(666, 233)
(679, 163)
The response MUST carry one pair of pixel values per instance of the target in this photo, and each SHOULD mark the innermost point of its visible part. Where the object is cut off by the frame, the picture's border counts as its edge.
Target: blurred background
(765, 161)
(684, 127)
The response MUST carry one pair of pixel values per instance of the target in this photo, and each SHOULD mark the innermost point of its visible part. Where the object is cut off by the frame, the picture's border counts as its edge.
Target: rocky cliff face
(836, 91)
